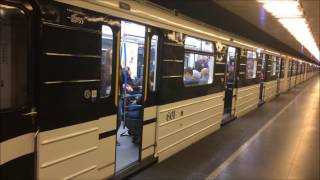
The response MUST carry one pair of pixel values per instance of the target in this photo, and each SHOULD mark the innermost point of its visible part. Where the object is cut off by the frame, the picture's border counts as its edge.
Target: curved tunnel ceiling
(243, 18)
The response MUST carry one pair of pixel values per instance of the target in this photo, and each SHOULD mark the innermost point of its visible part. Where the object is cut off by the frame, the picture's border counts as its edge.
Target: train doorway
(278, 76)
(130, 101)
(262, 79)
(289, 74)
(230, 80)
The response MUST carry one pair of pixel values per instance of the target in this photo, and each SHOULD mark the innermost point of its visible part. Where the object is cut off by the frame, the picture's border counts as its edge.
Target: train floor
(127, 151)
(279, 140)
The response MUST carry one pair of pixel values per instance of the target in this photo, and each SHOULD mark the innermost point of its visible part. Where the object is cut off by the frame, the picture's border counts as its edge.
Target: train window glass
(198, 69)
(299, 68)
(251, 65)
(207, 46)
(198, 44)
(273, 66)
(153, 63)
(132, 54)
(13, 58)
(230, 63)
(106, 61)
(192, 43)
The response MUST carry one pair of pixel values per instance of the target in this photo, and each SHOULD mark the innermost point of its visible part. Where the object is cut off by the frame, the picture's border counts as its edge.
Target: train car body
(104, 88)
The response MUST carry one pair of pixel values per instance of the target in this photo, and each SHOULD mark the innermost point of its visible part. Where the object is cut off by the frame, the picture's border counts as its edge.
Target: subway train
(100, 89)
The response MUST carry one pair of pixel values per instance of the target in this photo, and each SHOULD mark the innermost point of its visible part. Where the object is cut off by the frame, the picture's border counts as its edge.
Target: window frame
(256, 64)
(274, 65)
(112, 62)
(202, 53)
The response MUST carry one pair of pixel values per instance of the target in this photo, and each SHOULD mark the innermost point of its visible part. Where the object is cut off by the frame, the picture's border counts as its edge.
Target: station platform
(279, 140)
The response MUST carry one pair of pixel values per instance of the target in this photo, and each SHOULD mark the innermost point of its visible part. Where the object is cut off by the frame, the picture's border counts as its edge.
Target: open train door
(230, 91)
(279, 62)
(17, 104)
(148, 145)
(289, 73)
(262, 76)
(136, 101)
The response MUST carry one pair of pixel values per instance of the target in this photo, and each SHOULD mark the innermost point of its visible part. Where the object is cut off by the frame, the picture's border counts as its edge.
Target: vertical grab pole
(147, 67)
(117, 70)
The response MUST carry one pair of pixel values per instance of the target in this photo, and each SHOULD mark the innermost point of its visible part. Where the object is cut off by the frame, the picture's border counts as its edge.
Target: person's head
(205, 73)
(198, 65)
(187, 74)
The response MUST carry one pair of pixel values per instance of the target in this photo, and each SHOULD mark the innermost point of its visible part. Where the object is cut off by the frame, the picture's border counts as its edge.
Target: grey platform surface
(286, 149)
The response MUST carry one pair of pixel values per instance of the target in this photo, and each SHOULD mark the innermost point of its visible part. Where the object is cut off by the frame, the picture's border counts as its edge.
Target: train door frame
(25, 115)
(279, 66)
(150, 96)
(230, 88)
(139, 121)
(148, 99)
(263, 78)
(289, 73)
(296, 73)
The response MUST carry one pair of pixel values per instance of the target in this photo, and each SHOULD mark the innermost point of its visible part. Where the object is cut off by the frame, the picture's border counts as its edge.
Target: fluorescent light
(6, 7)
(290, 14)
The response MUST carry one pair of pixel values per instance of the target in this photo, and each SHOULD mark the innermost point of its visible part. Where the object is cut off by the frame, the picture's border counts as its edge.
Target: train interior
(229, 84)
(130, 107)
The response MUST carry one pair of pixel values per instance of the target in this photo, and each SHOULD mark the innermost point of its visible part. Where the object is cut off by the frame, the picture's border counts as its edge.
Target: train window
(192, 43)
(198, 62)
(273, 66)
(132, 54)
(251, 65)
(207, 46)
(198, 45)
(13, 58)
(153, 63)
(198, 69)
(106, 61)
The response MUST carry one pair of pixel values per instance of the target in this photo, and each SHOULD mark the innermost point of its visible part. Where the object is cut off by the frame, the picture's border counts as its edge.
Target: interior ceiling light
(290, 14)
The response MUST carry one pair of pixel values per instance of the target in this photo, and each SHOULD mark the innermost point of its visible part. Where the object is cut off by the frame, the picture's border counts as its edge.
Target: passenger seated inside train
(204, 76)
(199, 75)
(130, 105)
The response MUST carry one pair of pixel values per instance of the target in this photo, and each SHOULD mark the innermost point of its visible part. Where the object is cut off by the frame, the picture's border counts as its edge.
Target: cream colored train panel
(293, 81)
(180, 123)
(283, 85)
(247, 99)
(76, 151)
(270, 90)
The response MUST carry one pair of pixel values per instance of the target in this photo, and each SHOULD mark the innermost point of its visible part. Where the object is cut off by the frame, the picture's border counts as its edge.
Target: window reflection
(251, 65)
(106, 61)
(13, 58)
(153, 63)
(273, 66)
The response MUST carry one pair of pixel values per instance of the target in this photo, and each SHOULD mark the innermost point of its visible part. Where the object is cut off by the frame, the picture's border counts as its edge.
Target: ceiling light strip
(290, 15)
